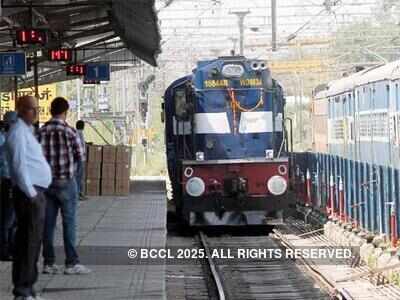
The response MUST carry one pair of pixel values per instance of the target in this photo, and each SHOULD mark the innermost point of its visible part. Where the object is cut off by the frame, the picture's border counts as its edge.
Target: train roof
(390, 71)
(344, 84)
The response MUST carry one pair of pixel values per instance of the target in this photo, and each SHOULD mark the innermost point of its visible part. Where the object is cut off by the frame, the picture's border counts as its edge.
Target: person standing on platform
(7, 213)
(31, 176)
(63, 150)
(80, 173)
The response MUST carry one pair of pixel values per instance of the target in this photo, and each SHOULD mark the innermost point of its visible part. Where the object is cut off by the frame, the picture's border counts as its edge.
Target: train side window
(180, 105)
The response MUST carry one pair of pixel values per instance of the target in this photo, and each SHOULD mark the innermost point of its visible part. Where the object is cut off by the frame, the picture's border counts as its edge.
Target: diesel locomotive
(226, 144)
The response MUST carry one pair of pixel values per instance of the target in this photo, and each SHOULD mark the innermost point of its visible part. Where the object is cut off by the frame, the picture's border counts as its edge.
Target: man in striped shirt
(63, 150)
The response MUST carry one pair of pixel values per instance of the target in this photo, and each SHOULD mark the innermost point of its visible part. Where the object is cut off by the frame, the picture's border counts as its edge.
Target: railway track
(214, 270)
(232, 279)
(257, 278)
(238, 279)
(191, 280)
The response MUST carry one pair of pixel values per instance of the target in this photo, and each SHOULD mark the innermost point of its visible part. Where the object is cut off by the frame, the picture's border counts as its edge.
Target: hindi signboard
(46, 94)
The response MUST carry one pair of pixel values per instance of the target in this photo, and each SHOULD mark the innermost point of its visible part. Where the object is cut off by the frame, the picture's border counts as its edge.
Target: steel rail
(215, 274)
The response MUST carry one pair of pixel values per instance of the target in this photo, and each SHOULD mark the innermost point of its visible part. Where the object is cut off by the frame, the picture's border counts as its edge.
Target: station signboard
(97, 72)
(12, 63)
(46, 95)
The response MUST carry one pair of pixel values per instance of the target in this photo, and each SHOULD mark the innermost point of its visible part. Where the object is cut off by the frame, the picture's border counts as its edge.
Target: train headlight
(255, 66)
(263, 66)
(277, 185)
(233, 71)
(195, 187)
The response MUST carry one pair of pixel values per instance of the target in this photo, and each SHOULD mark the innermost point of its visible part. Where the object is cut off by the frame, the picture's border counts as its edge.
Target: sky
(207, 27)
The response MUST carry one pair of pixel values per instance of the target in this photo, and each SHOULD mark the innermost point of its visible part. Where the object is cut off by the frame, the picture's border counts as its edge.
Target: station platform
(107, 223)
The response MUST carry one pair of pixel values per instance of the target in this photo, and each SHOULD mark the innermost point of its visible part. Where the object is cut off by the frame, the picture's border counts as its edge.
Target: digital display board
(60, 55)
(31, 36)
(76, 70)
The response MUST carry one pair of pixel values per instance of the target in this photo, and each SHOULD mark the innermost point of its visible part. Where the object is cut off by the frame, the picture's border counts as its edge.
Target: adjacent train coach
(226, 143)
(354, 169)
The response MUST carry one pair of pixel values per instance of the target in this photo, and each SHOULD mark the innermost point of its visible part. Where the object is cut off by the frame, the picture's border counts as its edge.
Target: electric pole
(241, 15)
(273, 25)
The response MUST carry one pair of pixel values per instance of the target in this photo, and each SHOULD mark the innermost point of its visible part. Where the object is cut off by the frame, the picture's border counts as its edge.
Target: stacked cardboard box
(109, 154)
(123, 167)
(108, 170)
(93, 170)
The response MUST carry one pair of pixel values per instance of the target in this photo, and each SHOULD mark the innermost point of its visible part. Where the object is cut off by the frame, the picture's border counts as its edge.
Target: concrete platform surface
(110, 226)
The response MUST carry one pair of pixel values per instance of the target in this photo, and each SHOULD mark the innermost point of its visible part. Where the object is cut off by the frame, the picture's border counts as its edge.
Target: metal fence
(360, 193)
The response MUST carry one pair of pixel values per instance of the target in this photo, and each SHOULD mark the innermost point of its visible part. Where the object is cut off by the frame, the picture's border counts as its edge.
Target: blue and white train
(356, 146)
(226, 143)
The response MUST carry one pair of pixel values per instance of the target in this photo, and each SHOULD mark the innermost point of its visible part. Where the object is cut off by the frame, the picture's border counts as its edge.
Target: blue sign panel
(97, 72)
(12, 63)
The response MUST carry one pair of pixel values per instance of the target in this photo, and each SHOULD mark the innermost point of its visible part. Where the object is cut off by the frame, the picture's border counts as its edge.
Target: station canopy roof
(121, 32)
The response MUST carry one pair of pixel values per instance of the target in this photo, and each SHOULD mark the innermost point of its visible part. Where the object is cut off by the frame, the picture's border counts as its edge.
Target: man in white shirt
(31, 176)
